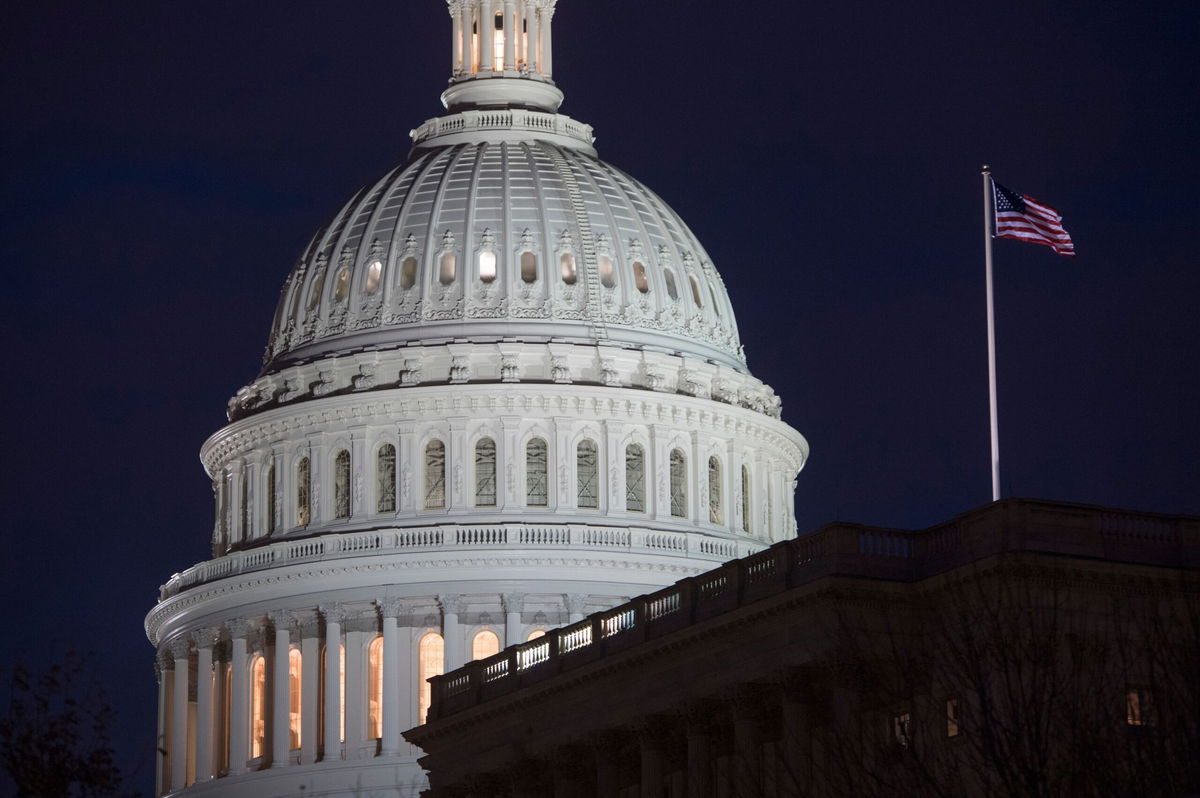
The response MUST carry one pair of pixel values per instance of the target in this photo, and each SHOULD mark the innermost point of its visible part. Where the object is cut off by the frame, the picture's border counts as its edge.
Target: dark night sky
(164, 164)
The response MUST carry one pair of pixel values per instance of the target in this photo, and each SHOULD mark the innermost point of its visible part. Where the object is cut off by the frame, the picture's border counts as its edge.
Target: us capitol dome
(503, 390)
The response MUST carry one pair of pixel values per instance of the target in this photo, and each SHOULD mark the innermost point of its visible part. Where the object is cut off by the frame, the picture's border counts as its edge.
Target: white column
(280, 692)
(451, 606)
(333, 681)
(533, 37)
(205, 640)
(487, 33)
(546, 13)
(513, 604)
(356, 691)
(406, 676)
(160, 746)
(239, 706)
(179, 713)
(310, 681)
(390, 610)
(511, 28)
(575, 602)
(464, 25)
(455, 37)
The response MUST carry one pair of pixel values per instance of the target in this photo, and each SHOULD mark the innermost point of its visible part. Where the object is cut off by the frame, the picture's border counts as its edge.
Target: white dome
(503, 226)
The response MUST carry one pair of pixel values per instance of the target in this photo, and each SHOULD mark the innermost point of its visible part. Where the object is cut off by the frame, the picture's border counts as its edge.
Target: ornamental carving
(411, 373)
(558, 369)
(460, 370)
(510, 368)
(325, 383)
(365, 379)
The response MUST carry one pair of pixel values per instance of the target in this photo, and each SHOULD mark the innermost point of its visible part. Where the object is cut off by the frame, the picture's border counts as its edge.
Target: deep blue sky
(164, 164)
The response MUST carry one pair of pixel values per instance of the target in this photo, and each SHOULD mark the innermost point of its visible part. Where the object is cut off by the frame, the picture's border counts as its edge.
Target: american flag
(1025, 219)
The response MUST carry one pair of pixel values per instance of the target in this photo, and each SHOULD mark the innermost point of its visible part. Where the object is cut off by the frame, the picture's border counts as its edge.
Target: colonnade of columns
(476, 34)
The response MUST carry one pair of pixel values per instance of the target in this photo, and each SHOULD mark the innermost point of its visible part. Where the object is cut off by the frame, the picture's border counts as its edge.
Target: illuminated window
(446, 268)
(295, 664)
(635, 478)
(375, 689)
(374, 272)
(314, 291)
(342, 286)
(435, 475)
(536, 494)
(303, 492)
(258, 706)
(485, 644)
(408, 273)
(498, 43)
(430, 663)
(1139, 707)
(487, 266)
(678, 484)
(341, 485)
(902, 729)
(608, 277)
(639, 277)
(587, 471)
(528, 267)
(695, 291)
(485, 473)
(746, 511)
(385, 479)
(671, 290)
(952, 717)
(716, 509)
(566, 263)
(535, 634)
(271, 499)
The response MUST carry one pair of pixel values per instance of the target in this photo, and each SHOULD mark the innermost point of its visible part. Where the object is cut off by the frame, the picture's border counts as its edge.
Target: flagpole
(988, 229)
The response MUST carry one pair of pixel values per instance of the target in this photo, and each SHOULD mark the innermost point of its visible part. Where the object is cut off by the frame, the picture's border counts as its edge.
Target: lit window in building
(747, 512)
(487, 266)
(485, 644)
(678, 484)
(435, 475)
(716, 509)
(535, 634)
(270, 499)
(314, 291)
(902, 729)
(408, 273)
(374, 273)
(341, 485)
(566, 262)
(1139, 707)
(587, 470)
(258, 706)
(375, 689)
(608, 277)
(670, 279)
(635, 478)
(952, 717)
(295, 664)
(498, 43)
(342, 287)
(385, 479)
(695, 291)
(528, 267)
(639, 277)
(446, 268)
(536, 464)
(430, 663)
(485, 473)
(303, 492)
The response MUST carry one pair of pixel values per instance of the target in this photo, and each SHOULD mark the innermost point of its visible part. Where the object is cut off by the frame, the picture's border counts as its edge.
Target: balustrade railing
(514, 119)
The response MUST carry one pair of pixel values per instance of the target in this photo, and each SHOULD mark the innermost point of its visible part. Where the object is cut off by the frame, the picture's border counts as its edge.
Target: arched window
(608, 277)
(639, 277)
(485, 644)
(270, 498)
(295, 680)
(385, 479)
(258, 706)
(244, 508)
(485, 473)
(678, 484)
(635, 478)
(695, 291)
(341, 485)
(374, 273)
(375, 689)
(587, 472)
(303, 492)
(446, 268)
(566, 262)
(746, 524)
(227, 713)
(716, 306)
(487, 266)
(528, 267)
(671, 290)
(716, 508)
(408, 273)
(342, 286)
(314, 291)
(536, 494)
(435, 475)
(430, 662)
(535, 634)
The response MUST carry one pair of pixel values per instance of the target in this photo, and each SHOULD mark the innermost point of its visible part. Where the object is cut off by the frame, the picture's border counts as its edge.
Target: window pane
(487, 266)
(535, 473)
(485, 644)
(385, 479)
(528, 267)
(952, 717)
(678, 484)
(258, 706)
(342, 287)
(375, 689)
(446, 268)
(485, 473)
(607, 277)
(303, 490)
(567, 263)
(695, 291)
(671, 290)
(374, 272)
(244, 508)
(535, 634)
(587, 471)
(639, 277)
(746, 523)
(341, 485)
(635, 479)
(430, 662)
(314, 292)
(435, 475)
(295, 665)
(716, 512)
(271, 499)
(408, 273)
